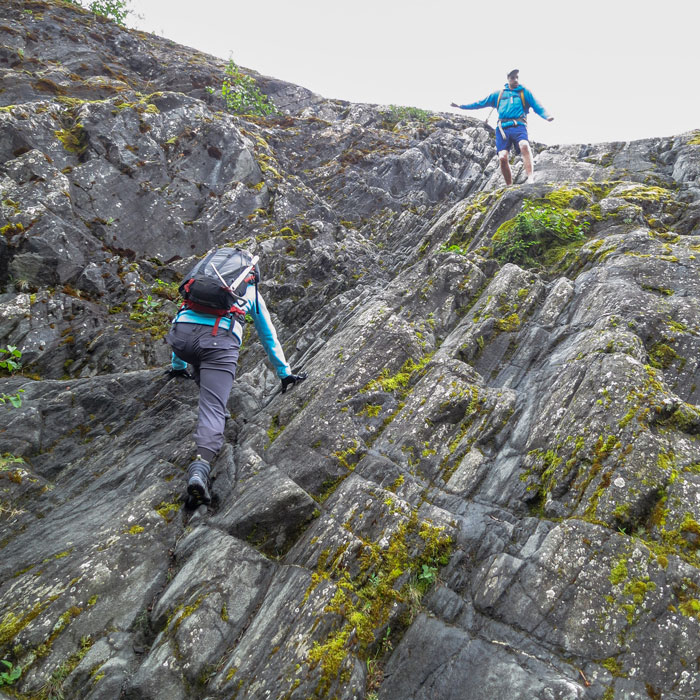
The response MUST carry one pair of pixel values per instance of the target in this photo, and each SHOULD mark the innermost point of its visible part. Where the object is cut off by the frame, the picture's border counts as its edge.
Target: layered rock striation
(489, 485)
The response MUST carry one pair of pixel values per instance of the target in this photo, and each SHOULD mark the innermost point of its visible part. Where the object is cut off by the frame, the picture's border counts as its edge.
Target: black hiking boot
(198, 482)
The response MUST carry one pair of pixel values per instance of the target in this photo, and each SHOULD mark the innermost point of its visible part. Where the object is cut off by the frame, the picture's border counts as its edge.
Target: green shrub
(14, 400)
(242, 95)
(113, 9)
(404, 114)
(525, 239)
(145, 308)
(11, 359)
(11, 674)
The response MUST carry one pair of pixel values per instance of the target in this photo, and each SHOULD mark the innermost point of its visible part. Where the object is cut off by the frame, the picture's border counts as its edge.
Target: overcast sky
(607, 70)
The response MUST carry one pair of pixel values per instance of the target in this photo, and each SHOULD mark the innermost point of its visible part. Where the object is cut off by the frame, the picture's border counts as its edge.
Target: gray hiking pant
(214, 359)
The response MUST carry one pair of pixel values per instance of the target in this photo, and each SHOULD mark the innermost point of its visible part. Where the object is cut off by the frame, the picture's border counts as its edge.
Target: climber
(207, 333)
(512, 103)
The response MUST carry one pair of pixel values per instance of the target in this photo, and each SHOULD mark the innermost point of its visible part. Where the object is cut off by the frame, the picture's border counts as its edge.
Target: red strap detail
(202, 309)
(188, 284)
(216, 326)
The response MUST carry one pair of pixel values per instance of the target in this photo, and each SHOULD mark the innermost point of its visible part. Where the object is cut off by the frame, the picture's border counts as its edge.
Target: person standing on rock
(206, 333)
(512, 103)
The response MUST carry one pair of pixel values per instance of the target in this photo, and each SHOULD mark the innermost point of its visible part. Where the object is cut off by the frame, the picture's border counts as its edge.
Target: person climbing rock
(512, 103)
(206, 333)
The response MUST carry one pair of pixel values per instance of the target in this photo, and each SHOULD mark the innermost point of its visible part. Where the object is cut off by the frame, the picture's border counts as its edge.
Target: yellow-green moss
(364, 602)
(370, 410)
(400, 380)
(168, 510)
(74, 140)
(614, 666)
(619, 573)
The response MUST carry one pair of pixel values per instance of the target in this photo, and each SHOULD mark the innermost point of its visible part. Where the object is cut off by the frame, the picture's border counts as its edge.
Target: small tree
(242, 95)
(116, 10)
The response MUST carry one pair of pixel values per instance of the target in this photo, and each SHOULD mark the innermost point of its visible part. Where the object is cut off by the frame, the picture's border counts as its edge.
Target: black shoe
(198, 482)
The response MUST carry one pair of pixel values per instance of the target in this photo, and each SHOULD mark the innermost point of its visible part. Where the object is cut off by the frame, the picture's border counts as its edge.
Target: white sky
(607, 70)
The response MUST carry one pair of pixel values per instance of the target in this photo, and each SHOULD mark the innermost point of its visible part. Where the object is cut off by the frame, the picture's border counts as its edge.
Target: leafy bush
(11, 363)
(145, 308)
(404, 114)
(526, 239)
(15, 400)
(9, 676)
(113, 9)
(241, 94)
(167, 290)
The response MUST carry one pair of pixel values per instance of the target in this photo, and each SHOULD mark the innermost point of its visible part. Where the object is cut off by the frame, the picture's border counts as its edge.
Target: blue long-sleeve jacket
(263, 326)
(511, 105)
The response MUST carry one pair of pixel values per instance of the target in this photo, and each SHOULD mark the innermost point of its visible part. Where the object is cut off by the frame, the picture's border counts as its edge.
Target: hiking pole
(239, 279)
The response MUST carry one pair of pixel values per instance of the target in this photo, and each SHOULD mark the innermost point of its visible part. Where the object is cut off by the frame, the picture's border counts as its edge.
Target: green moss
(690, 525)
(662, 356)
(619, 573)
(509, 324)
(53, 688)
(690, 608)
(399, 381)
(13, 623)
(471, 220)
(397, 484)
(135, 530)
(168, 510)
(74, 140)
(685, 418)
(347, 458)
(638, 589)
(328, 488)
(370, 410)
(11, 229)
(364, 602)
(614, 666)
(562, 197)
(275, 429)
(181, 613)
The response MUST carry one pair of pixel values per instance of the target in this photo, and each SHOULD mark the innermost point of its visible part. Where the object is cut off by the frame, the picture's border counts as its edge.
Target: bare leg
(526, 153)
(505, 167)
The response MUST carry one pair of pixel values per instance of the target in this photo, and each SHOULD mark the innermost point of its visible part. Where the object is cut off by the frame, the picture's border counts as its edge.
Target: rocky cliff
(489, 485)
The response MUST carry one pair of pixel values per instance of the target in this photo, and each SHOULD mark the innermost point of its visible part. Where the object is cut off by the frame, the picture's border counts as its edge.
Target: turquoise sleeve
(267, 334)
(177, 363)
(489, 101)
(539, 109)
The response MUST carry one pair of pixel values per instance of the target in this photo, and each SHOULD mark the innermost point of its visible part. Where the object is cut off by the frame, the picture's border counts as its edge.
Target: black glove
(292, 379)
(184, 373)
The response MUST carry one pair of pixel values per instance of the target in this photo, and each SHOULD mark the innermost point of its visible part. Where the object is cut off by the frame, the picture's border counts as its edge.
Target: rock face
(489, 485)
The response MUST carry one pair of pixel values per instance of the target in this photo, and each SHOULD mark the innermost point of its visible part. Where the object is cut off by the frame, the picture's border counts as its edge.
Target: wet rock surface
(489, 485)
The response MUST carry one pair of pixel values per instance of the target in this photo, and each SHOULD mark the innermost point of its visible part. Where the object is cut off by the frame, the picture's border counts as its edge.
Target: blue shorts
(514, 134)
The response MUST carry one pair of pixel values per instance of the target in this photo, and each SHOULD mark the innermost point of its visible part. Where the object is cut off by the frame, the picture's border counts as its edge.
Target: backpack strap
(524, 101)
(516, 120)
(202, 309)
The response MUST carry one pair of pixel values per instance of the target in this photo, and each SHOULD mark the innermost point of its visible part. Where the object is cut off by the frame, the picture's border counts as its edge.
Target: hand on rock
(183, 373)
(291, 380)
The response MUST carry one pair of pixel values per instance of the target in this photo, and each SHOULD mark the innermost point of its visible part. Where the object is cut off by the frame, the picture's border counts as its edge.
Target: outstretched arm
(267, 334)
(489, 101)
(539, 109)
